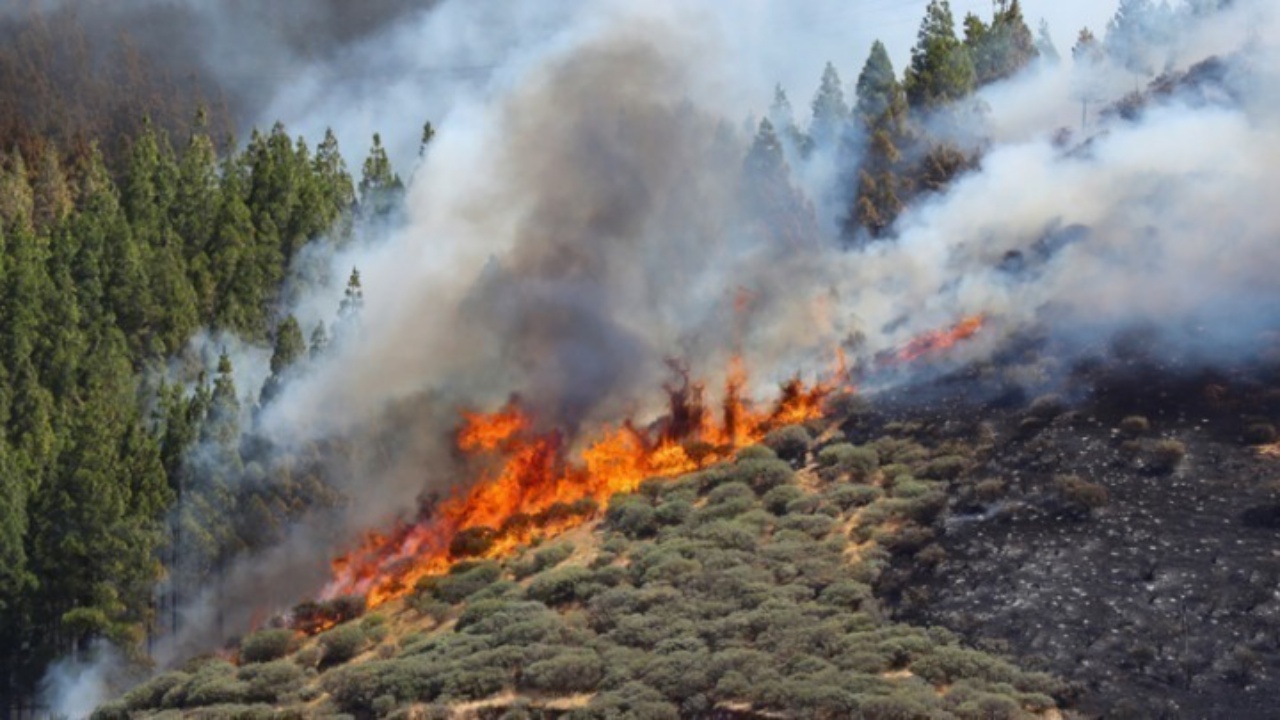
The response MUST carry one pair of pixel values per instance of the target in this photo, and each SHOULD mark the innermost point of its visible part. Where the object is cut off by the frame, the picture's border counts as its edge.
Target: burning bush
(310, 618)
(472, 542)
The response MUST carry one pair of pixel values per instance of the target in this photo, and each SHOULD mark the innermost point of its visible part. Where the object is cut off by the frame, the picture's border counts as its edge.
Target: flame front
(533, 488)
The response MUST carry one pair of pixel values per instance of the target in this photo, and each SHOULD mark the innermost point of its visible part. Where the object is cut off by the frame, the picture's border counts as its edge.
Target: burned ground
(1123, 538)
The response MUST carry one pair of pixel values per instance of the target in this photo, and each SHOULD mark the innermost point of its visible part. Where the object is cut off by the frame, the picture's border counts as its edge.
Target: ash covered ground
(1120, 534)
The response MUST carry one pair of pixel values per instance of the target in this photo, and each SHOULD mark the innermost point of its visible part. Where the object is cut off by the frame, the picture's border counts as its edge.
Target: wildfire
(533, 487)
(529, 484)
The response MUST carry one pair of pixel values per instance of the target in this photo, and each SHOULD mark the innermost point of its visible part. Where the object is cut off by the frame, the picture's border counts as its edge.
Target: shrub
(426, 605)
(342, 643)
(763, 475)
(673, 512)
(790, 443)
(847, 595)
(1166, 455)
(460, 584)
(777, 499)
(554, 555)
(1134, 426)
(562, 586)
(1046, 407)
(905, 486)
(266, 645)
(267, 682)
(847, 495)
(631, 515)
(570, 672)
(151, 693)
(947, 664)
(859, 462)
(947, 467)
(756, 452)
(815, 526)
(990, 490)
(1080, 495)
(309, 657)
(310, 617)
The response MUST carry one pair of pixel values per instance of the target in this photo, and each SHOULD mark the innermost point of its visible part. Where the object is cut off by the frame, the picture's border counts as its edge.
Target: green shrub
(267, 682)
(947, 467)
(151, 694)
(859, 462)
(790, 443)
(673, 512)
(847, 595)
(266, 645)
(847, 495)
(907, 487)
(562, 586)
(815, 526)
(569, 672)
(756, 452)
(1134, 426)
(549, 557)
(309, 657)
(342, 643)
(460, 584)
(426, 605)
(728, 534)
(631, 515)
(763, 475)
(947, 664)
(1166, 455)
(777, 499)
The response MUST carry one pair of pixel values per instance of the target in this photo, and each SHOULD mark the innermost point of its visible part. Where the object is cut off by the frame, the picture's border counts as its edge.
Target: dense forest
(131, 221)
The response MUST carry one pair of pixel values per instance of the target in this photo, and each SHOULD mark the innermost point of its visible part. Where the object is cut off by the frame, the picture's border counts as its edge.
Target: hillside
(740, 591)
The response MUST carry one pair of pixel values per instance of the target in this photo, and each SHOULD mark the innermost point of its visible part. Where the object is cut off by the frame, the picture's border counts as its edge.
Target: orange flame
(535, 489)
(937, 340)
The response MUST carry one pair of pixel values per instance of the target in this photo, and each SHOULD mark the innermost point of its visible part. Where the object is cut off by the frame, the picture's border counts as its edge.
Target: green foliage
(266, 645)
(941, 69)
(457, 586)
(762, 474)
(790, 443)
(569, 672)
(342, 643)
(859, 462)
(563, 585)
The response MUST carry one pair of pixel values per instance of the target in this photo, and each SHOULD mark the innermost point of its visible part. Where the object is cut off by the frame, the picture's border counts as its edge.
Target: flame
(531, 485)
(936, 340)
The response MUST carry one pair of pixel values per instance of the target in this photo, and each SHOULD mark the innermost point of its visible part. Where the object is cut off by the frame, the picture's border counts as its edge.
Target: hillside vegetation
(743, 590)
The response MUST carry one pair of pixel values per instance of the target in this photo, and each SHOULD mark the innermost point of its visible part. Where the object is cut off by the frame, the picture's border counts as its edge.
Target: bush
(1166, 455)
(342, 643)
(763, 475)
(947, 467)
(1134, 426)
(151, 694)
(266, 645)
(947, 664)
(859, 462)
(777, 499)
(790, 443)
(462, 582)
(1080, 495)
(570, 672)
(815, 526)
(756, 452)
(847, 495)
(1046, 407)
(562, 586)
(632, 515)
(310, 617)
(267, 682)
(426, 605)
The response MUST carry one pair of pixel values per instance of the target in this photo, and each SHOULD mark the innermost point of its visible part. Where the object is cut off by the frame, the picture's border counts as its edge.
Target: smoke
(75, 685)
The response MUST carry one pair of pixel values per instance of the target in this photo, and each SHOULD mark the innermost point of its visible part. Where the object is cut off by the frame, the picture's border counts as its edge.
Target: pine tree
(780, 211)
(941, 69)
(879, 92)
(1002, 49)
(51, 196)
(830, 111)
(289, 348)
(380, 187)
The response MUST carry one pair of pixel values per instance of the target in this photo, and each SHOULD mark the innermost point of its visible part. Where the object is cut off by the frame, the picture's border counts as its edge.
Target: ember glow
(530, 485)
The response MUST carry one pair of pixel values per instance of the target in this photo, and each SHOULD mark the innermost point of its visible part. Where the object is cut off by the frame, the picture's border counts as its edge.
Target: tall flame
(938, 340)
